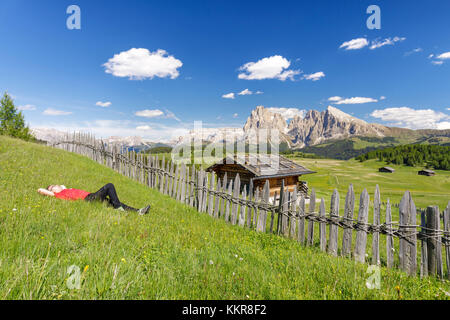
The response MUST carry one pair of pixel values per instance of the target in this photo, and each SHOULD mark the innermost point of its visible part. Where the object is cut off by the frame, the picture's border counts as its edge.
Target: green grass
(173, 253)
(339, 174)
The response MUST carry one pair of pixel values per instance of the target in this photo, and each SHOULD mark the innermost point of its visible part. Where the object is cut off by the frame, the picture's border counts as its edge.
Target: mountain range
(307, 133)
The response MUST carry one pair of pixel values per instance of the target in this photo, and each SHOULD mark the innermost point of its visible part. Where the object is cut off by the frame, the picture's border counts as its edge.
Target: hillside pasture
(172, 253)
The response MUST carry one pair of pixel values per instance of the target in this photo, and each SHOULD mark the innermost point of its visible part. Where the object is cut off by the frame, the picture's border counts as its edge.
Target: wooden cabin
(387, 169)
(426, 172)
(260, 169)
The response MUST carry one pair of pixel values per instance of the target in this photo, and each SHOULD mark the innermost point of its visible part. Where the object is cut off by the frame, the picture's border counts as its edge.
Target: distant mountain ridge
(314, 129)
(331, 124)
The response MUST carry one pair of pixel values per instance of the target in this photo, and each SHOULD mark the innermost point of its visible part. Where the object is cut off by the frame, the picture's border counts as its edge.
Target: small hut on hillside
(259, 169)
(427, 172)
(387, 169)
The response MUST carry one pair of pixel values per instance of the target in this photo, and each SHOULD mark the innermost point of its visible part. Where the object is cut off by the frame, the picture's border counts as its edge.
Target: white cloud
(228, 96)
(335, 98)
(355, 44)
(143, 128)
(156, 113)
(259, 92)
(444, 125)
(413, 51)
(275, 67)
(245, 92)
(353, 100)
(149, 113)
(288, 113)
(438, 63)
(53, 112)
(235, 115)
(27, 107)
(103, 104)
(388, 41)
(139, 64)
(444, 56)
(414, 119)
(171, 115)
(314, 76)
(382, 98)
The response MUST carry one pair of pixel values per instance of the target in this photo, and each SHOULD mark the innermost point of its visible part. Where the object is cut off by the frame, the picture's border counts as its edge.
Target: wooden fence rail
(228, 200)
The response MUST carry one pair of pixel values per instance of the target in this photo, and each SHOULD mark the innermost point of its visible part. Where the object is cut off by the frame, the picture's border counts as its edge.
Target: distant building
(427, 172)
(258, 170)
(386, 169)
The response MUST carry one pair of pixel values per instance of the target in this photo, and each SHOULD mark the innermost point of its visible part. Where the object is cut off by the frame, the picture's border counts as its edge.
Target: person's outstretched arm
(45, 192)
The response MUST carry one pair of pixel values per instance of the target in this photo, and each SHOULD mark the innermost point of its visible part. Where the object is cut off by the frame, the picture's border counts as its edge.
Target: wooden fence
(420, 243)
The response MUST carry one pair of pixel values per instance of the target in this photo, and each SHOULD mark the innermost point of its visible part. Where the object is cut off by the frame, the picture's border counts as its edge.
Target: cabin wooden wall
(245, 176)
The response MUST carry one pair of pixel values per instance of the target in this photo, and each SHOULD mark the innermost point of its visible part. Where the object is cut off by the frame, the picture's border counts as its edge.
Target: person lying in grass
(106, 193)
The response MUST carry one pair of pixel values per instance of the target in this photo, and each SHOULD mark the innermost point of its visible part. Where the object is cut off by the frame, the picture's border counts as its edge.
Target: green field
(172, 253)
(339, 174)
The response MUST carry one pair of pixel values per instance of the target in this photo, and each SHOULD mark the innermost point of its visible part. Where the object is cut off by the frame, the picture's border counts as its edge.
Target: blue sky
(294, 54)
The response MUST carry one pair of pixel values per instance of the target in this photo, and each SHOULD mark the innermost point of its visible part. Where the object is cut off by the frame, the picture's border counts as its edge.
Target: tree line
(12, 121)
(430, 156)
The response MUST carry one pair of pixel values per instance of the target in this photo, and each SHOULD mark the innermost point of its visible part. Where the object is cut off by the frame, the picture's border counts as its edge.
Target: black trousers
(108, 193)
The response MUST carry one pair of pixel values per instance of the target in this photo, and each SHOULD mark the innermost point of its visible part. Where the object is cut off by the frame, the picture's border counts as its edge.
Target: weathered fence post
(361, 234)
(255, 211)
(272, 216)
(322, 226)
(334, 218)
(286, 213)
(434, 248)
(224, 199)
(227, 206)
(250, 208)
(261, 226)
(211, 194)
(205, 190)
(217, 203)
(235, 204)
(183, 183)
(294, 214)
(446, 237)
(280, 211)
(301, 220)
(424, 251)
(242, 213)
(193, 192)
(348, 222)
(376, 224)
(407, 229)
(200, 190)
(312, 207)
(389, 237)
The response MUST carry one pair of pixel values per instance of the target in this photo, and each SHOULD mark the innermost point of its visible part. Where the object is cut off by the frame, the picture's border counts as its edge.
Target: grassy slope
(339, 174)
(173, 253)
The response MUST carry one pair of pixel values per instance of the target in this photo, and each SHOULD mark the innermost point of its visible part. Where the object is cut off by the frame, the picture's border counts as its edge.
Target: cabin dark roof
(388, 168)
(427, 171)
(261, 166)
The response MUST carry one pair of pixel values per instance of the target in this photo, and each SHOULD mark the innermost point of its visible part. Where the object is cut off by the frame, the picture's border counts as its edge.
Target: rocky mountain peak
(262, 118)
(314, 128)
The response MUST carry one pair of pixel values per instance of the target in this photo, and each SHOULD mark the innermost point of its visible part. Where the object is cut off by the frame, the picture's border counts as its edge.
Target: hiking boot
(144, 210)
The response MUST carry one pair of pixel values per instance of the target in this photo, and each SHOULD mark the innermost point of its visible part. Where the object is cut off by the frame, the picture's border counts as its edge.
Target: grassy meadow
(339, 174)
(174, 252)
